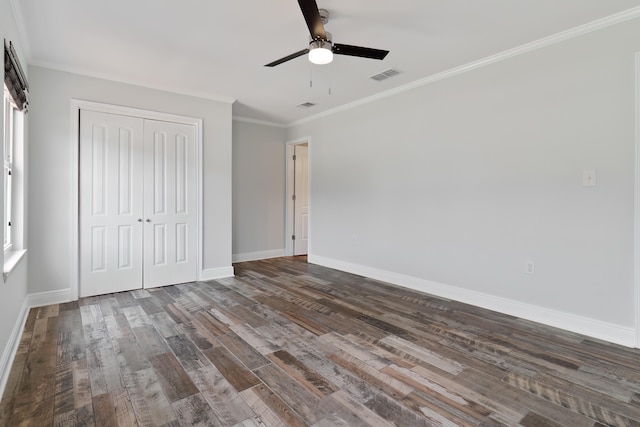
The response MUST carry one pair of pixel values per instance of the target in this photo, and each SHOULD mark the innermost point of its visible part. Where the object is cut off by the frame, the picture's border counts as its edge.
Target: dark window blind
(14, 77)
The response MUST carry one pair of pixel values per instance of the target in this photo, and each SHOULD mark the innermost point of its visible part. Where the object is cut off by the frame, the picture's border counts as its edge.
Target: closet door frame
(76, 106)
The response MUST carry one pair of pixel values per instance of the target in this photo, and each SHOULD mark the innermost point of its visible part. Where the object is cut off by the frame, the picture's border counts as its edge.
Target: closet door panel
(170, 238)
(110, 203)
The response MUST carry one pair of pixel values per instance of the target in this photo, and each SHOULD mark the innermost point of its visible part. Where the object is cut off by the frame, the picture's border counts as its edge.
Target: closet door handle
(139, 219)
(148, 220)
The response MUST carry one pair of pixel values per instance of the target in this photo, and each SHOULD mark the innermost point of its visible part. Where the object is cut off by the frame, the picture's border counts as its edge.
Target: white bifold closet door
(138, 201)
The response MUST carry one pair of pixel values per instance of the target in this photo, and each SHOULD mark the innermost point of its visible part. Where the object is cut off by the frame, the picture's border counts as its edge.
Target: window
(13, 212)
(14, 108)
(10, 133)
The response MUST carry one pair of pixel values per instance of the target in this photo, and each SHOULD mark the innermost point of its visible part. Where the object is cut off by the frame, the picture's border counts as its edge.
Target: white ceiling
(217, 49)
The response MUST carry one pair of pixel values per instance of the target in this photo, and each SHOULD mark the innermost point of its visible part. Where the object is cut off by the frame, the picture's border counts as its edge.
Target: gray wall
(258, 189)
(13, 292)
(459, 182)
(50, 196)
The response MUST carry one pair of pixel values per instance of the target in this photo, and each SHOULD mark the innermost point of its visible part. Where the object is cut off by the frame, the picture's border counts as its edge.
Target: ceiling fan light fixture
(320, 56)
(320, 52)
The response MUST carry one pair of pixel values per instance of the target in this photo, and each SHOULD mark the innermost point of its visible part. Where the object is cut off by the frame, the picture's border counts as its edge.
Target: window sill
(11, 259)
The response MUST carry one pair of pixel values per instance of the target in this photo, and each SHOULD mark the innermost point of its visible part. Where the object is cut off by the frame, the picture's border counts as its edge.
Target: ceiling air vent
(385, 75)
(305, 105)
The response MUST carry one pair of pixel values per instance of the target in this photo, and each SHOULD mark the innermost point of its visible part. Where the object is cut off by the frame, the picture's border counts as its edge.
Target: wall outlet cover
(589, 178)
(529, 267)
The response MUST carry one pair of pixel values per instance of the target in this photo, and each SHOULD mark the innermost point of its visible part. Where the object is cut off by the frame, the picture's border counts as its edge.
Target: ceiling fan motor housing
(321, 43)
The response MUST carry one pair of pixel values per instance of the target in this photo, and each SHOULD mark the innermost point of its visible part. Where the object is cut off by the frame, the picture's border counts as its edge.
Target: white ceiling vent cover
(306, 105)
(385, 75)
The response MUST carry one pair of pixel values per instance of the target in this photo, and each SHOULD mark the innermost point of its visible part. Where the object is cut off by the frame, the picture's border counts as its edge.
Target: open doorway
(297, 223)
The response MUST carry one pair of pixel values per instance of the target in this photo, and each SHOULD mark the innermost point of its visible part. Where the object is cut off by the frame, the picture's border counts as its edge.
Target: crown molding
(259, 122)
(590, 27)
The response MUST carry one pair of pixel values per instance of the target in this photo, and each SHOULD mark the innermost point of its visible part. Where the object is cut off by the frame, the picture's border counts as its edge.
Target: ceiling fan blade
(364, 52)
(311, 14)
(287, 58)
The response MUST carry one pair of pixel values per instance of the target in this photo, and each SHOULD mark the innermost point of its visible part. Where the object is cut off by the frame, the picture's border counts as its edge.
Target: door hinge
(293, 237)
(294, 157)
(293, 197)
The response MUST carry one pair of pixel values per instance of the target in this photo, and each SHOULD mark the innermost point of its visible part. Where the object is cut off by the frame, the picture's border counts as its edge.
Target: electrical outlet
(529, 267)
(589, 178)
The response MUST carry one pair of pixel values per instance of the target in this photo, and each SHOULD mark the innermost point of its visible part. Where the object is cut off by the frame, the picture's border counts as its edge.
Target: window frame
(8, 145)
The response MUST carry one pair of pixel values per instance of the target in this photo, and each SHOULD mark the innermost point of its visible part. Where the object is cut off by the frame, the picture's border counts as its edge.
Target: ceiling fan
(321, 47)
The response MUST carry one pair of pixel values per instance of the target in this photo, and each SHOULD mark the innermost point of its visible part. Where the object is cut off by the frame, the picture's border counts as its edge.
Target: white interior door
(110, 203)
(170, 204)
(301, 202)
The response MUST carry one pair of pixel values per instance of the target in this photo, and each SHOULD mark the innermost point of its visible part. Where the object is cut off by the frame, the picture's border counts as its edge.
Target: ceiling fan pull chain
(310, 76)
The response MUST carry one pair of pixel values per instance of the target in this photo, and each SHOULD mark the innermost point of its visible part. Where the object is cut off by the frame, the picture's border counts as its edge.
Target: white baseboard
(31, 301)
(47, 298)
(254, 256)
(11, 348)
(617, 334)
(216, 273)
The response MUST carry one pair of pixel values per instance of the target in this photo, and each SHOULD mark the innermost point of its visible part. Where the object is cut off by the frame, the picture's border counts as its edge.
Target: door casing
(289, 207)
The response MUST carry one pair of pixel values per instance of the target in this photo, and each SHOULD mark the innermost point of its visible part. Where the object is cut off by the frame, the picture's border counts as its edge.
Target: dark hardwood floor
(290, 343)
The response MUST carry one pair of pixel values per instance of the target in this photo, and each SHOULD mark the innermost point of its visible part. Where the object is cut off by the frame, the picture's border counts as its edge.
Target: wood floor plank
(396, 344)
(439, 412)
(536, 420)
(198, 333)
(352, 411)
(64, 398)
(306, 404)
(150, 341)
(287, 343)
(232, 369)
(255, 339)
(271, 408)
(306, 322)
(390, 409)
(151, 406)
(223, 398)
(349, 345)
(165, 325)
(378, 379)
(81, 384)
(83, 416)
(150, 306)
(347, 381)
(104, 410)
(195, 411)
(519, 401)
(215, 326)
(124, 409)
(129, 355)
(249, 356)
(173, 379)
(102, 363)
(452, 399)
(136, 316)
(308, 378)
